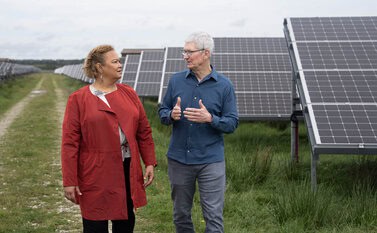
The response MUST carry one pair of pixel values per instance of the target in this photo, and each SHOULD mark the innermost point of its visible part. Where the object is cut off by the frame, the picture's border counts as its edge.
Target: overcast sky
(68, 29)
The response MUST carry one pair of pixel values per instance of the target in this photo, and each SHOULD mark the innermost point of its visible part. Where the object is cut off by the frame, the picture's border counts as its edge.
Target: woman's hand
(71, 192)
(149, 175)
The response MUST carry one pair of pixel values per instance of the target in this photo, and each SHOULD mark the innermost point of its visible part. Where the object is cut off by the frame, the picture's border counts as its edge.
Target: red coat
(91, 154)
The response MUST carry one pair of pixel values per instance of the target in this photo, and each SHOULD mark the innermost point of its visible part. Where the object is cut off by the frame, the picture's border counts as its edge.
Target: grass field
(265, 191)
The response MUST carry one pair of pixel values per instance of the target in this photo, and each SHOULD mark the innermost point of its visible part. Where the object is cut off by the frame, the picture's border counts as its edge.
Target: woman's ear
(99, 67)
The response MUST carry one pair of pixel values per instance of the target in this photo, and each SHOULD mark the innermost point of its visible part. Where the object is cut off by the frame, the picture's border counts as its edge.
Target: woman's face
(112, 68)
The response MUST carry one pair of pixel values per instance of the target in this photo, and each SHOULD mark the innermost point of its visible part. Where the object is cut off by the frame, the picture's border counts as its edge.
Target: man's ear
(207, 53)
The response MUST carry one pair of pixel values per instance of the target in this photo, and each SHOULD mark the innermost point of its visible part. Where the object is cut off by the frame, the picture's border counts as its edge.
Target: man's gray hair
(202, 40)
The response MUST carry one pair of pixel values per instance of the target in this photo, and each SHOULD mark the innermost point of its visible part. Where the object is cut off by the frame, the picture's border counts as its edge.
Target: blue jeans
(211, 183)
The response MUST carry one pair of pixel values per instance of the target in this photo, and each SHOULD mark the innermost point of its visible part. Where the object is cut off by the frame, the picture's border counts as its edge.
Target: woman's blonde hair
(96, 55)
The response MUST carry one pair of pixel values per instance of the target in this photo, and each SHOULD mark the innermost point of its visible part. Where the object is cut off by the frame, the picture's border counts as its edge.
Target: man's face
(193, 56)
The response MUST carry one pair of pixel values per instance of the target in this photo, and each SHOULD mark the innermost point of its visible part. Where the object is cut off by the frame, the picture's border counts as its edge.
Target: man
(201, 105)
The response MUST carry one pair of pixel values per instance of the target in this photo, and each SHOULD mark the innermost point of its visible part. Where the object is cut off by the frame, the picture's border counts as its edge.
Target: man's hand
(176, 112)
(199, 115)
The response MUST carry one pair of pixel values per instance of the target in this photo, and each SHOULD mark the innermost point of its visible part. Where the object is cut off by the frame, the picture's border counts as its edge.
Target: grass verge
(30, 177)
(13, 90)
(265, 191)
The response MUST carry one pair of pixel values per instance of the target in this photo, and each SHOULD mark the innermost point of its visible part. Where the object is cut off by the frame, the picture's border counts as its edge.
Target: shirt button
(188, 151)
(190, 124)
(195, 98)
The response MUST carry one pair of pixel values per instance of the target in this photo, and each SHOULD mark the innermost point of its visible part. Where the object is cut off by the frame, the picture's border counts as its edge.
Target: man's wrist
(210, 118)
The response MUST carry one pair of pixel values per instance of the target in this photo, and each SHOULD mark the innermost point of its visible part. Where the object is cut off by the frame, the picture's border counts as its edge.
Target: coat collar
(101, 106)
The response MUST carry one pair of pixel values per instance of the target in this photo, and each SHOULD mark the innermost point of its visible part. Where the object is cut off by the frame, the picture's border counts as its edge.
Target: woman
(105, 133)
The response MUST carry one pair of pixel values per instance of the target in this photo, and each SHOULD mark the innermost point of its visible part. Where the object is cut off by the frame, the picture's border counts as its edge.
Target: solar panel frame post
(138, 70)
(297, 73)
(162, 76)
(296, 107)
(123, 68)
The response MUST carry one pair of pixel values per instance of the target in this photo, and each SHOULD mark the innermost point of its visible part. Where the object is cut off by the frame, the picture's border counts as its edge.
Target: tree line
(48, 64)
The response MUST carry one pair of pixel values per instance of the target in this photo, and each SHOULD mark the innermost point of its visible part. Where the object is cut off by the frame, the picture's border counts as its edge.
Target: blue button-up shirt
(199, 143)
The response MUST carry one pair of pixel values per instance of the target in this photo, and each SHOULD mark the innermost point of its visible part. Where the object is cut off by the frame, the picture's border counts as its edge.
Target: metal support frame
(294, 138)
(313, 170)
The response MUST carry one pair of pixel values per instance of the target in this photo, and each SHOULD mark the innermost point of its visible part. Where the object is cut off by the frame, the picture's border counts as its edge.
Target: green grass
(265, 191)
(12, 91)
(30, 179)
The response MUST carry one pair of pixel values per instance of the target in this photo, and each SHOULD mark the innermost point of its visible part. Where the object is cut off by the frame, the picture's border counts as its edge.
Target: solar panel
(259, 69)
(130, 68)
(149, 75)
(263, 104)
(252, 62)
(261, 74)
(173, 63)
(344, 55)
(335, 62)
(346, 123)
(334, 28)
(342, 86)
(242, 45)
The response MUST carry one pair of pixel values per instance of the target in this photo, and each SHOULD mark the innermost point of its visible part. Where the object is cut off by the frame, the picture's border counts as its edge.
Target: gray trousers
(211, 183)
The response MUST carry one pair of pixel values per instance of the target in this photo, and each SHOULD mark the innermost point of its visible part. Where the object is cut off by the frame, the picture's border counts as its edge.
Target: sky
(69, 29)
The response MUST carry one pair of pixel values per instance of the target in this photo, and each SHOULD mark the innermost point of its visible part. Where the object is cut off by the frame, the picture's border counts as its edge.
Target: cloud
(239, 23)
(70, 28)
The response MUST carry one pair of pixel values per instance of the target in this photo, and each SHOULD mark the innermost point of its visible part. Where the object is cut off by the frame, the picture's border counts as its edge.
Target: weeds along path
(64, 206)
(31, 189)
(16, 110)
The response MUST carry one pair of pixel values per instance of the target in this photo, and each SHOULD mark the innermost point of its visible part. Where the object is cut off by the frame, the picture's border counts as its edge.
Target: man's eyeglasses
(189, 53)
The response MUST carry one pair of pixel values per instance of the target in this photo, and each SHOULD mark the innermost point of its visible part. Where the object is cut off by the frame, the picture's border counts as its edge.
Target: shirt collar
(212, 75)
(95, 91)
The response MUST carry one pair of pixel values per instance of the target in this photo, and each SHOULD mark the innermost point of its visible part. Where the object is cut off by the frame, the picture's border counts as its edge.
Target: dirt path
(60, 102)
(13, 113)
(16, 110)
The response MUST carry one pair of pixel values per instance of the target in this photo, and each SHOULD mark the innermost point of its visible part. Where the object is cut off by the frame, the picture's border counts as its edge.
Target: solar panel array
(5, 70)
(335, 60)
(9, 69)
(259, 69)
(74, 71)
